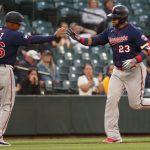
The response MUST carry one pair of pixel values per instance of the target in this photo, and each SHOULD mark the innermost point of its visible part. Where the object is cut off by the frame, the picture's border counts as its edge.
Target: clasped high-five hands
(60, 32)
(73, 35)
(64, 31)
(69, 32)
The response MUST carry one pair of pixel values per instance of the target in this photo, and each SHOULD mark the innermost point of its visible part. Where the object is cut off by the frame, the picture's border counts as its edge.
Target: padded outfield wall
(70, 114)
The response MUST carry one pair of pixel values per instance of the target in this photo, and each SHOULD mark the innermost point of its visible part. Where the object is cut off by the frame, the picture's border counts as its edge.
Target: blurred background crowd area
(54, 68)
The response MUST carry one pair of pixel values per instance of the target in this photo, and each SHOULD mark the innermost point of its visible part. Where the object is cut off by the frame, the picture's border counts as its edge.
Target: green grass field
(76, 143)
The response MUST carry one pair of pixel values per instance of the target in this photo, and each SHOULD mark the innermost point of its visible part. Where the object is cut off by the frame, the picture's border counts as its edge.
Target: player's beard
(116, 25)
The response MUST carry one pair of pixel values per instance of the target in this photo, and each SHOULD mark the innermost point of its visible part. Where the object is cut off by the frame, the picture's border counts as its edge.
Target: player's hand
(60, 32)
(73, 35)
(128, 64)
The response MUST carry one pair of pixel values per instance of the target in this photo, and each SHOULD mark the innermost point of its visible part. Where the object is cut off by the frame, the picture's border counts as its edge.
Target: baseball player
(10, 40)
(130, 47)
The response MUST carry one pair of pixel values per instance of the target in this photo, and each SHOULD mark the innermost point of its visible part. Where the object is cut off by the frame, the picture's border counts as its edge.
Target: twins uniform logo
(117, 40)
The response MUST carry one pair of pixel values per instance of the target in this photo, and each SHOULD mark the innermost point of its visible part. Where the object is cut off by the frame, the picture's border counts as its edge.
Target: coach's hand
(60, 32)
(73, 35)
(128, 64)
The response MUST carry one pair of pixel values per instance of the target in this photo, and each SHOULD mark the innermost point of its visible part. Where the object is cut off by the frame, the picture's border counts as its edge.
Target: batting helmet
(120, 12)
(14, 17)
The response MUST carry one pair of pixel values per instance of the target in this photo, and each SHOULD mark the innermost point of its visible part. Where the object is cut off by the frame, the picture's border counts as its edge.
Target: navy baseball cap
(14, 17)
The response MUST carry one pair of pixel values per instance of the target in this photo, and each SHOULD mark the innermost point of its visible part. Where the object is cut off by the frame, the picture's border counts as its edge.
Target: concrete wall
(70, 114)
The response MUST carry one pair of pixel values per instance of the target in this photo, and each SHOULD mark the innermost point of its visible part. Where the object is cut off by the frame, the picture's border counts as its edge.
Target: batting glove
(73, 35)
(128, 64)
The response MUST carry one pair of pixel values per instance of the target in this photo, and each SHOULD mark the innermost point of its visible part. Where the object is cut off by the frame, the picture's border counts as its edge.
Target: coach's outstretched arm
(91, 41)
(36, 39)
(21, 39)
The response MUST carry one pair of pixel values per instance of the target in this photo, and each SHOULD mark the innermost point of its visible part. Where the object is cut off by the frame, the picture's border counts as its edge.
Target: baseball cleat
(3, 143)
(110, 141)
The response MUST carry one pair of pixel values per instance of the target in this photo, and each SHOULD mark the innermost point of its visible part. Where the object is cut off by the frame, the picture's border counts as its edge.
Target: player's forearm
(144, 53)
(141, 56)
(36, 39)
(91, 41)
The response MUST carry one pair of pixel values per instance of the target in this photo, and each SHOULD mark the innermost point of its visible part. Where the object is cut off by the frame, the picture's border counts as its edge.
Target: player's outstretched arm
(94, 40)
(84, 41)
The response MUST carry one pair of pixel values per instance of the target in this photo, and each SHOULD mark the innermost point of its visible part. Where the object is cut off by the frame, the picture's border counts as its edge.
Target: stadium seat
(43, 30)
(95, 62)
(70, 87)
(110, 61)
(63, 76)
(37, 23)
(45, 5)
(95, 50)
(64, 12)
(68, 56)
(78, 63)
(80, 5)
(66, 84)
(48, 86)
(74, 87)
(94, 56)
(147, 92)
(26, 28)
(79, 70)
(77, 50)
(58, 88)
(76, 70)
(103, 57)
(59, 56)
(72, 69)
(70, 49)
(72, 77)
(1, 20)
(42, 27)
(62, 63)
(77, 56)
(61, 50)
(86, 57)
(63, 70)
(138, 11)
(138, 1)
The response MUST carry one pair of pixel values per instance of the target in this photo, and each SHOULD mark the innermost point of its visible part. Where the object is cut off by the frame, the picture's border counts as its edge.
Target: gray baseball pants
(133, 81)
(7, 95)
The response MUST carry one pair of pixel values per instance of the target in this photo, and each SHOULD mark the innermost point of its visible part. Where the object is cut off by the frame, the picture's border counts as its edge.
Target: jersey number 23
(124, 48)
